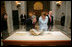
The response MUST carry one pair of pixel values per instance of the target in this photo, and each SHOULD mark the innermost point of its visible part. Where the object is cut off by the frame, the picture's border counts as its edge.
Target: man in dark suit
(62, 19)
(29, 24)
(50, 20)
(23, 18)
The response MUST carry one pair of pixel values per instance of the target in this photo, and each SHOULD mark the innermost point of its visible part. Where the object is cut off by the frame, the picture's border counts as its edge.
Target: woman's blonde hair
(43, 13)
(30, 13)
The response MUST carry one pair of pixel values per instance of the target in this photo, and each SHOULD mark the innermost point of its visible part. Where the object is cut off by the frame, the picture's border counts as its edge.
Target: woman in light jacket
(43, 20)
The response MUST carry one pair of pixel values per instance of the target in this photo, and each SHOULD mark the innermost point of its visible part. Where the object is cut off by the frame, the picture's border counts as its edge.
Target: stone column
(23, 7)
(68, 15)
(19, 12)
(9, 14)
(53, 8)
(14, 7)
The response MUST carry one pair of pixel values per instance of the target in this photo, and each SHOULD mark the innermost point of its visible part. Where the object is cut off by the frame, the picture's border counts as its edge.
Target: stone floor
(5, 34)
(65, 31)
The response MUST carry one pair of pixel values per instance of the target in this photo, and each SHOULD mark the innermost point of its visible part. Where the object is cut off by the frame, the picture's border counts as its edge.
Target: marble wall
(8, 9)
(68, 14)
(14, 7)
(66, 8)
(61, 9)
(57, 12)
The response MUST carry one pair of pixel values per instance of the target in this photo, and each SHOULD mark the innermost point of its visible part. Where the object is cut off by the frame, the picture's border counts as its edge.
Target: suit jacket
(51, 20)
(23, 18)
(29, 24)
(62, 20)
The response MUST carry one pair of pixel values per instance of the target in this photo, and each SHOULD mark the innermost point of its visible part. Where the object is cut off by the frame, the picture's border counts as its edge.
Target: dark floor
(5, 34)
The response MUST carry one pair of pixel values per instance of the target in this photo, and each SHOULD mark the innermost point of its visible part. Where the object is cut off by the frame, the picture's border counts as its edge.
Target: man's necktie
(50, 19)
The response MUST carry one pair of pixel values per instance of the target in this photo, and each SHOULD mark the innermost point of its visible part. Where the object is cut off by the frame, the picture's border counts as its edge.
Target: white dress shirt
(43, 23)
(23, 16)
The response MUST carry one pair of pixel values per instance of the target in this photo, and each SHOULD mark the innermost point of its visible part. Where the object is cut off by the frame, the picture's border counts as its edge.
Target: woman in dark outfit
(4, 22)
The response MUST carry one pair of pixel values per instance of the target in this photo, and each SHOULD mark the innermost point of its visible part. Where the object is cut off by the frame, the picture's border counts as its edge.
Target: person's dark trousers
(23, 22)
(28, 28)
(50, 27)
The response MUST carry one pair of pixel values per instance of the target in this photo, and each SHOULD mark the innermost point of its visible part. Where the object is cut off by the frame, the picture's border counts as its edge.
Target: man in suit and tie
(50, 20)
(23, 20)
